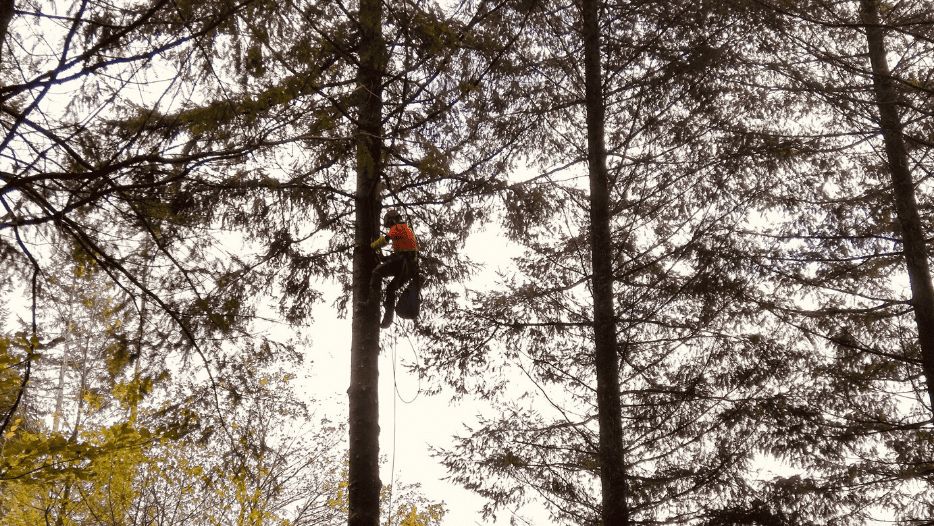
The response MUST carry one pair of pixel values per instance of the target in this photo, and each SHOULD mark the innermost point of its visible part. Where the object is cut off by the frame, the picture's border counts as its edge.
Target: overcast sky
(425, 421)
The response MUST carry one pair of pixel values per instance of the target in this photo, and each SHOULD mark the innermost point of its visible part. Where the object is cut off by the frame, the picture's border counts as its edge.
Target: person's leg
(390, 303)
(388, 267)
(411, 268)
(392, 266)
(406, 272)
(377, 276)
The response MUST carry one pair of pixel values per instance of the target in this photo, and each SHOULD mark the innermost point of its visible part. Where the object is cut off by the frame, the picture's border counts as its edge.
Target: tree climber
(402, 264)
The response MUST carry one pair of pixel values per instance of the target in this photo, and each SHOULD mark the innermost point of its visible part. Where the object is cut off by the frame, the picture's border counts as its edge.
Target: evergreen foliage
(177, 177)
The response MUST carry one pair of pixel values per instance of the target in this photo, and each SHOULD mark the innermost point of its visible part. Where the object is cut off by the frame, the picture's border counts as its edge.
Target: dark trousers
(402, 266)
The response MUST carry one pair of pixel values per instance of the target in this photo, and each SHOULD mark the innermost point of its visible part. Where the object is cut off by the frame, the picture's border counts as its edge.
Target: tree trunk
(906, 206)
(6, 14)
(364, 483)
(612, 469)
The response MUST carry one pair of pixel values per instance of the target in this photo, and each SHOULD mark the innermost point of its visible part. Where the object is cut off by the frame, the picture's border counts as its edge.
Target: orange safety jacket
(402, 237)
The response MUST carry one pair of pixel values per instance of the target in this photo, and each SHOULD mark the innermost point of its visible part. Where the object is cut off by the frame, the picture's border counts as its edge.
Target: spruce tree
(703, 379)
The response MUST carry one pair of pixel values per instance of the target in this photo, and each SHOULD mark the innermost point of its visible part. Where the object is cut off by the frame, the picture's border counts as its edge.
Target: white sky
(408, 430)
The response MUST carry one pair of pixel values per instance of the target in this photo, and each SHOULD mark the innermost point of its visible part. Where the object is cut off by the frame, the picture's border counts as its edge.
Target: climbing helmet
(391, 217)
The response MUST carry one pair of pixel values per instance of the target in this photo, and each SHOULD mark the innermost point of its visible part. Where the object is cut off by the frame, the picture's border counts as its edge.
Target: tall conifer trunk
(364, 483)
(6, 14)
(612, 470)
(906, 206)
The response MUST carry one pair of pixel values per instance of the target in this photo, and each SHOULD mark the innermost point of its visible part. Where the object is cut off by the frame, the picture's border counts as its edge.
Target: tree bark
(615, 510)
(6, 14)
(364, 484)
(903, 191)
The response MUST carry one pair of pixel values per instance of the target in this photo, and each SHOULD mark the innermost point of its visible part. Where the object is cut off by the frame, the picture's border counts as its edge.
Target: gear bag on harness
(411, 299)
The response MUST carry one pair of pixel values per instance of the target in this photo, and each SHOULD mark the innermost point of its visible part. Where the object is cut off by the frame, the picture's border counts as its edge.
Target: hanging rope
(398, 396)
(392, 459)
(418, 390)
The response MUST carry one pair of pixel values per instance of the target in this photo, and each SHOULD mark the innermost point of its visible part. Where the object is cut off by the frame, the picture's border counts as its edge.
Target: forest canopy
(720, 310)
